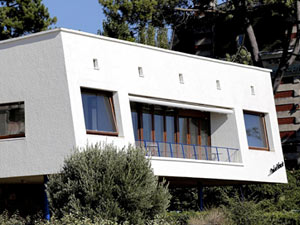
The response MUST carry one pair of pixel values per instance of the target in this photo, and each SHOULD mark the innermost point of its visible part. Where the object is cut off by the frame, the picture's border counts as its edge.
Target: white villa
(199, 119)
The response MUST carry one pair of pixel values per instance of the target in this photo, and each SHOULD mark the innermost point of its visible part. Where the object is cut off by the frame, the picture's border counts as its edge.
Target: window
(98, 112)
(172, 125)
(256, 130)
(12, 120)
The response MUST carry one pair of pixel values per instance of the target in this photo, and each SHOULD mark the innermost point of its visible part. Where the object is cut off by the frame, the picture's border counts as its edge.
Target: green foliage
(131, 19)
(181, 218)
(242, 212)
(242, 56)
(184, 199)
(162, 38)
(19, 17)
(102, 181)
(210, 217)
(150, 36)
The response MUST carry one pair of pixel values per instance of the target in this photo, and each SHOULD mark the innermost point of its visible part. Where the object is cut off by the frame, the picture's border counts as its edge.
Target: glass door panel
(204, 132)
(170, 129)
(183, 131)
(134, 116)
(194, 131)
(147, 126)
(159, 127)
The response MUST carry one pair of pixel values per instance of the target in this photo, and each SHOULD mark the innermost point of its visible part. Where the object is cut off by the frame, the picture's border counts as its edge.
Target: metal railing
(188, 151)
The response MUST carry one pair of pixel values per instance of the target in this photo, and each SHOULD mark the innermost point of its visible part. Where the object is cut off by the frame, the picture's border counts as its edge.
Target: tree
(131, 19)
(102, 181)
(20, 17)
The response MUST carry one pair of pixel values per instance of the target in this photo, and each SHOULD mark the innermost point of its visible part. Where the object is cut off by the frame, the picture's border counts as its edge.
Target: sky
(83, 15)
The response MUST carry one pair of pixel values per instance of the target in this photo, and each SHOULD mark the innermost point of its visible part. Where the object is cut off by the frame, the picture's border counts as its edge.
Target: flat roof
(58, 30)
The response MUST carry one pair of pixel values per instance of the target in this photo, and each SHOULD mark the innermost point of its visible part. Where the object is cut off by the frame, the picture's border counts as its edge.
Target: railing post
(46, 202)
(171, 151)
(200, 196)
(206, 152)
(195, 152)
(158, 148)
(182, 151)
(217, 154)
(228, 155)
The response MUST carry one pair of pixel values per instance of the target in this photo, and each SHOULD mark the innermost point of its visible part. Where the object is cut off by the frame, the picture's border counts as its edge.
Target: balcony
(188, 151)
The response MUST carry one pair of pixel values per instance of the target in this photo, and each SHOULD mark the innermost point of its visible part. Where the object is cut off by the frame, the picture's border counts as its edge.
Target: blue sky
(84, 15)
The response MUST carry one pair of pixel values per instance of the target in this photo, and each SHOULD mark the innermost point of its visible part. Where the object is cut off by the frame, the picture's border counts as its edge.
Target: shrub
(243, 212)
(215, 216)
(102, 181)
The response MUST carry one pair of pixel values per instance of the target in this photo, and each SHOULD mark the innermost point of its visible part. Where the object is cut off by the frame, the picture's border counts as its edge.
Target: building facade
(199, 119)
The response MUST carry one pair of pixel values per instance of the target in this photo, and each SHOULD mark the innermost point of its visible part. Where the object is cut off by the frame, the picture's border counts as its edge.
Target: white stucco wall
(68, 66)
(33, 71)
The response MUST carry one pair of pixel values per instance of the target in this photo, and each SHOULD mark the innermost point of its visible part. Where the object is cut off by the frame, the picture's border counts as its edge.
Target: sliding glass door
(163, 124)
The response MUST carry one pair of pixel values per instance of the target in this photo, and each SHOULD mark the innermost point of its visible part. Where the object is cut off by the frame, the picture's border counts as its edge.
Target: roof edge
(42, 33)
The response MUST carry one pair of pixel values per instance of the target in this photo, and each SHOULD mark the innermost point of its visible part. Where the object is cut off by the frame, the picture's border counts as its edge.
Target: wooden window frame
(110, 98)
(189, 114)
(262, 117)
(20, 135)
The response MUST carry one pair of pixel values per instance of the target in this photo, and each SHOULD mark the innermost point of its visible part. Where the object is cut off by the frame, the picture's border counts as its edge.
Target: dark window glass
(205, 131)
(194, 130)
(170, 128)
(255, 130)
(183, 130)
(98, 112)
(147, 126)
(134, 116)
(159, 127)
(12, 120)
(163, 124)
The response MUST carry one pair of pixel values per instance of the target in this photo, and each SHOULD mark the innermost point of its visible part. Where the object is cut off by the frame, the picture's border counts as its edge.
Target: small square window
(181, 81)
(99, 113)
(140, 70)
(12, 120)
(256, 130)
(218, 84)
(95, 63)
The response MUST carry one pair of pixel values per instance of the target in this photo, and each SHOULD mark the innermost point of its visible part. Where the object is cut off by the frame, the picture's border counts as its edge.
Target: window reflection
(255, 130)
(98, 112)
(12, 120)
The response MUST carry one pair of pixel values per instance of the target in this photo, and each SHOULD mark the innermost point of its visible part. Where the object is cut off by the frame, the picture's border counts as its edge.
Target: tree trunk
(253, 42)
(241, 5)
(285, 61)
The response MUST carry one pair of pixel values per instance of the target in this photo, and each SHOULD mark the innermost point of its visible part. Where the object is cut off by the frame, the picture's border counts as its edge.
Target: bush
(243, 212)
(215, 216)
(102, 181)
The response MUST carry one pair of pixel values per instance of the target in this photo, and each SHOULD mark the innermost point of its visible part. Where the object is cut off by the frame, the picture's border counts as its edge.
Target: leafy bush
(102, 181)
(243, 212)
(281, 218)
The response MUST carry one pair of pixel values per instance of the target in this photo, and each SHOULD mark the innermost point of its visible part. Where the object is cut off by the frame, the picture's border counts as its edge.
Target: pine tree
(19, 17)
(127, 19)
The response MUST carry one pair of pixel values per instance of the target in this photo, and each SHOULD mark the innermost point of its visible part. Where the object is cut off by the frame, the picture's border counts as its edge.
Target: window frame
(108, 94)
(20, 135)
(178, 113)
(263, 120)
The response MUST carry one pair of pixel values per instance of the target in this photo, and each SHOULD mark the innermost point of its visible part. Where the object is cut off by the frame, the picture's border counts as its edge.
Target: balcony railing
(187, 151)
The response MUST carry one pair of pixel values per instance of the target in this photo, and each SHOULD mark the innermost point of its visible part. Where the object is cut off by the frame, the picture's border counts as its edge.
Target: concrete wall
(118, 72)
(33, 71)
(66, 65)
